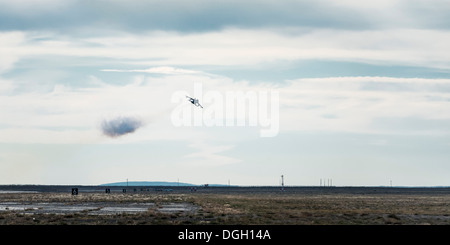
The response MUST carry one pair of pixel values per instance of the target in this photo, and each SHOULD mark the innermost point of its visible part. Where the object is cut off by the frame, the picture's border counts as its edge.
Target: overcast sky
(364, 91)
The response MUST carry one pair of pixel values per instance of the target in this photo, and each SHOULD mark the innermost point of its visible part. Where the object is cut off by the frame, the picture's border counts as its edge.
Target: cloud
(167, 70)
(338, 104)
(120, 126)
(208, 154)
(172, 15)
(366, 105)
(6, 86)
(53, 91)
(241, 48)
(10, 41)
(188, 17)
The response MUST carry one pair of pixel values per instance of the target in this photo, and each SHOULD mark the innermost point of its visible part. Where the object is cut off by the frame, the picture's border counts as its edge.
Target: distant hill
(148, 183)
(157, 183)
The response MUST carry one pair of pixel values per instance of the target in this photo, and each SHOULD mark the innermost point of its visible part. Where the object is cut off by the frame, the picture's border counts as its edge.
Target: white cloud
(345, 104)
(159, 70)
(5, 86)
(337, 103)
(73, 115)
(9, 43)
(208, 155)
(243, 47)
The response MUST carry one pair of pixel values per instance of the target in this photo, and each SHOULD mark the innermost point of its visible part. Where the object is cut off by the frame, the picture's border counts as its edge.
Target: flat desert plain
(56, 205)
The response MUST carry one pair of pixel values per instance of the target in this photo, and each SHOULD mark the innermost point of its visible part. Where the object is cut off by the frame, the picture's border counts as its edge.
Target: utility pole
(282, 182)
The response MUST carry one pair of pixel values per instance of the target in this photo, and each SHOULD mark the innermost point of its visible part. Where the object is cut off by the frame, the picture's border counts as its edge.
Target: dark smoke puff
(120, 126)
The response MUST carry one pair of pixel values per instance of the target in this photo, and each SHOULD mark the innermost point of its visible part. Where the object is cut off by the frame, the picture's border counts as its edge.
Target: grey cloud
(427, 14)
(120, 126)
(184, 16)
(99, 16)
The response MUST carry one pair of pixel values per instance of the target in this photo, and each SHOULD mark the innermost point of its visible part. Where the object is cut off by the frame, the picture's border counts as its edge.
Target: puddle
(14, 192)
(94, 208)
(177, 207)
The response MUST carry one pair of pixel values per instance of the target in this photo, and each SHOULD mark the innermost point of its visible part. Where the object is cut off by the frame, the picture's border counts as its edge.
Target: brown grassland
(240, 208)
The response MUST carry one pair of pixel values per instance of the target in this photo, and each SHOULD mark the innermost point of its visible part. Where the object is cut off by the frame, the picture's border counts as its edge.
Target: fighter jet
(194, 101)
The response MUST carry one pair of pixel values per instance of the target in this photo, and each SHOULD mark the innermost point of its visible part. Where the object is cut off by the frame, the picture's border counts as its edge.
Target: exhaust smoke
(120, 126)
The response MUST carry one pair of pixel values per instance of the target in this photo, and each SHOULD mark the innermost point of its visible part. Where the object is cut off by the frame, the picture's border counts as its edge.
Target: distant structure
(282, 183)
(328, 183)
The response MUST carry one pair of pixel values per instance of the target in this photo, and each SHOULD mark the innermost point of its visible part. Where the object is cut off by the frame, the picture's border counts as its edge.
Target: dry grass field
(234, 207)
